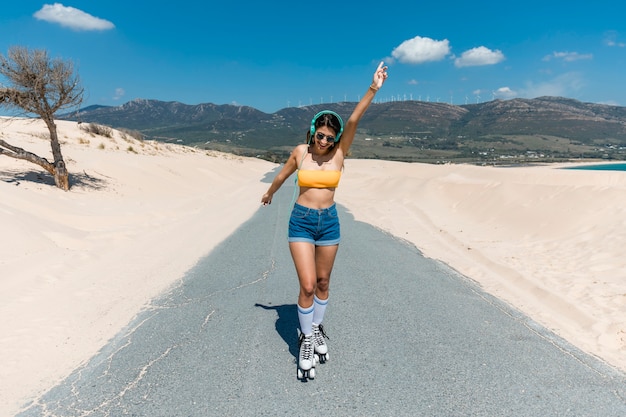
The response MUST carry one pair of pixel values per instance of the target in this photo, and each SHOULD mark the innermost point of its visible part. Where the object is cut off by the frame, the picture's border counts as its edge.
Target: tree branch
(19, 153)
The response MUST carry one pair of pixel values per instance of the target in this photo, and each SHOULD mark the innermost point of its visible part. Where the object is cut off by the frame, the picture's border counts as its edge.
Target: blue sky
(272, 55)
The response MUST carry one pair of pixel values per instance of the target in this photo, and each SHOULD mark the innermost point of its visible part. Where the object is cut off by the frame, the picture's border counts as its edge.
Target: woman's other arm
(351, 125)
(290, 167)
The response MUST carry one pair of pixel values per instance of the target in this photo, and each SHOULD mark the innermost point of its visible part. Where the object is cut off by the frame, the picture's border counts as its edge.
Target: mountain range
(498, 131)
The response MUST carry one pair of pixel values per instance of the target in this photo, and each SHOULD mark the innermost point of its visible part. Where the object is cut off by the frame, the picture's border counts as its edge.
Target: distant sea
(602, 167)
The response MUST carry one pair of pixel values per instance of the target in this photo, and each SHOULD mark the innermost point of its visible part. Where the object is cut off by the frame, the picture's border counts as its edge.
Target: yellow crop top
(318, 179)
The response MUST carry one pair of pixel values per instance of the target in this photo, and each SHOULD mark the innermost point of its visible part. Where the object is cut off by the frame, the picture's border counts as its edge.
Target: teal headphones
(323, 112)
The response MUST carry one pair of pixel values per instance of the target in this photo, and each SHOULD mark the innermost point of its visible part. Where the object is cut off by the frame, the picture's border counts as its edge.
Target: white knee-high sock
(305, 316)
(320, 309)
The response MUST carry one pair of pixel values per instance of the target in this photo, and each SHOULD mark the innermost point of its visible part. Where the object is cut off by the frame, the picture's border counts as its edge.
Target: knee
(323, 283)
(307, 290)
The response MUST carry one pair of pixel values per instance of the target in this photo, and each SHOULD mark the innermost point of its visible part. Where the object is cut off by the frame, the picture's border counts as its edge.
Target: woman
(313, 226)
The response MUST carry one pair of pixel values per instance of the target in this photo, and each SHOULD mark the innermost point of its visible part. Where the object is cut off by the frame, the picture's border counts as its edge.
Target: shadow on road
(286, 324)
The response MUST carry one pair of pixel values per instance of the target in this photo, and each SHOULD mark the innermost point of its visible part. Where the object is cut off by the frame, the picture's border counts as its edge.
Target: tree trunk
(61, 175)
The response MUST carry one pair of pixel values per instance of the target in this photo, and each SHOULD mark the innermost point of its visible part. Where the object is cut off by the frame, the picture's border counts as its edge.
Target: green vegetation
(546, 129)
(487, 150)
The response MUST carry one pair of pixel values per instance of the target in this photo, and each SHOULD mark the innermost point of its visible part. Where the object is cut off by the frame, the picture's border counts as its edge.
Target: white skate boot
(307, 357)
(321, 348)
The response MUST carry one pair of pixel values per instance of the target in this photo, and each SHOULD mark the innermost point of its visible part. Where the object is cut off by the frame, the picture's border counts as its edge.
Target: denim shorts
(317, 226)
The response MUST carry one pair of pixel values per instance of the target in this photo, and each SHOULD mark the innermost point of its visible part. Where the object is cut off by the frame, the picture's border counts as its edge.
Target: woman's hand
(266, 199)
(379, 76)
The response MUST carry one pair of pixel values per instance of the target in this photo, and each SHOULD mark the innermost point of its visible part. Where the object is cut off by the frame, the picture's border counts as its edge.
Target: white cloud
(505, 93)
(419, 50)
(564, 85)
(119, 93)
(610, 39)
(568, 56)
(71, 18)
(479, 56)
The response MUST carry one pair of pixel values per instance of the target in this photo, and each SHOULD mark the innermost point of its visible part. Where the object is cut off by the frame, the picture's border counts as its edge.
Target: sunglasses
(320, 136)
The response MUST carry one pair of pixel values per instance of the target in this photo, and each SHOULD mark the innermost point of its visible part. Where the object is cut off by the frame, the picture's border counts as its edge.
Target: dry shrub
(96, 129)
(135, 134)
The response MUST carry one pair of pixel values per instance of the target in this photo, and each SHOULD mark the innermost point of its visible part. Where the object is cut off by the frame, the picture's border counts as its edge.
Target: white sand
(546, 240)
(77, 266)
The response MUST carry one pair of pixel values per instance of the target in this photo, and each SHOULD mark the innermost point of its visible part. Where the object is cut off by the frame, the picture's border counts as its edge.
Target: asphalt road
(408, 337)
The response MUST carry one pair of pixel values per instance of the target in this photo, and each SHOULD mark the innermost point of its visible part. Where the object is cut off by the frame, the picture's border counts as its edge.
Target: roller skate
(307, 358)
(321, 348)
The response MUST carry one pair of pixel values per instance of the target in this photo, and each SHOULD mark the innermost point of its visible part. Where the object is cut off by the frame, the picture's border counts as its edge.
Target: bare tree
(39, 85)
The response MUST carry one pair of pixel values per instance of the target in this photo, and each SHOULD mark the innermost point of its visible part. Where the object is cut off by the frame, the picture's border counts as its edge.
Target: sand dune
(544, 239)
(77, 266)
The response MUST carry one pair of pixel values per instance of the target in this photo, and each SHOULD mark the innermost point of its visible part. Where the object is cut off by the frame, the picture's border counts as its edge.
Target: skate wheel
(326, 357)
(312, 373)
(300, 374)
(317, 359)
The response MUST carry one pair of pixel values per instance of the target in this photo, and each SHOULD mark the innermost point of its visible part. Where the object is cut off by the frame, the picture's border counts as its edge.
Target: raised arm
(350, 130)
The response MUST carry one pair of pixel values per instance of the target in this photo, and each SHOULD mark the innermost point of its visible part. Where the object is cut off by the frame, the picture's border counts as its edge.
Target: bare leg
(324, 261)
(303, 255)
(314, 265)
